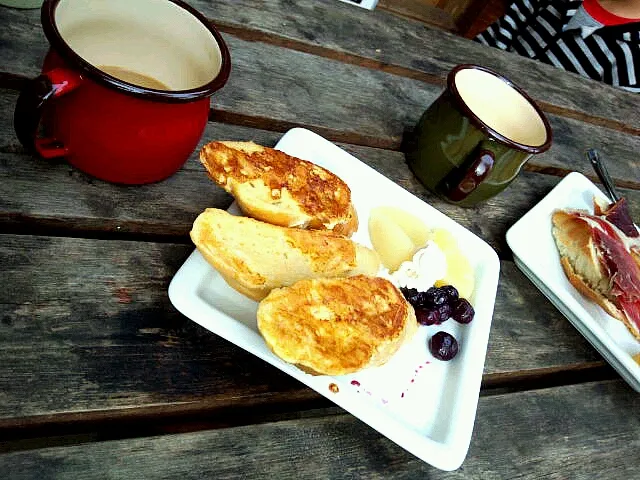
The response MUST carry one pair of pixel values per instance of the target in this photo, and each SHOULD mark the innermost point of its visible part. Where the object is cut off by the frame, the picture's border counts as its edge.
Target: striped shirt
(564, 34)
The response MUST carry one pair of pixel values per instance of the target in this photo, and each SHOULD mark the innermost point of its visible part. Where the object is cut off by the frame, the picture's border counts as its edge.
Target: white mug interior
(501, 107)
(150, 43)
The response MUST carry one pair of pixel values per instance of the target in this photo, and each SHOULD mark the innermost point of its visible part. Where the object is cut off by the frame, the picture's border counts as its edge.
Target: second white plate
(536, 255)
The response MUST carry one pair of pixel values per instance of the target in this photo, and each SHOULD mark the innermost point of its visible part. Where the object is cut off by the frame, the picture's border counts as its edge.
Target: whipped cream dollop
(428, 265)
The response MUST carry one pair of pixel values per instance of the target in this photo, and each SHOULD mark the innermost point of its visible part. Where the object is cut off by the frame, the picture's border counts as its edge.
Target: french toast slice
(280, 189)
(336, 326)
(255, 257)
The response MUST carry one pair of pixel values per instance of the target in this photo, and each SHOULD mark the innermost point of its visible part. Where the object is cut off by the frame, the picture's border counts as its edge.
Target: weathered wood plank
(423, 10)
(168, 209)
(87, 325)
(583, 431)
(394, 113)
(35, 194)
(272, 82)
(384, 41)
(571, 139)
(277, 84)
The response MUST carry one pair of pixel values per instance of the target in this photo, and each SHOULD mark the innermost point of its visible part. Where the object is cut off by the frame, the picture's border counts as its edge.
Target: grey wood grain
(34, 192)
(86, 328)
(580, 432)
(278, 84)
(86, 325)
(571, 139)
(272, 82)
(389, 42)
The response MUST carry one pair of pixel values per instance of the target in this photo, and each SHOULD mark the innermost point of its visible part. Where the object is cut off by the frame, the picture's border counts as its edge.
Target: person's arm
(622, 8)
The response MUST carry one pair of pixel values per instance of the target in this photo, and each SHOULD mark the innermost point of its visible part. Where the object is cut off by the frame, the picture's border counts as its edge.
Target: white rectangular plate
(424, 405)
(368, 4)
(535, 253)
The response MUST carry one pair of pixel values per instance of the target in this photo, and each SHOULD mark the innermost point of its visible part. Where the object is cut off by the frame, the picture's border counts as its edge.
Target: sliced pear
(390, 241)
(444, 239)
(396, 235)
(459, 273)
(415, 228)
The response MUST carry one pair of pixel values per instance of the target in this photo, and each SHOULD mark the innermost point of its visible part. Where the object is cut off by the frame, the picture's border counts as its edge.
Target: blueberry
(451, 292)
(443, 346)
(412, 296)
(435, 297)
(427, 316)
(444, 312)
(462, 312)
(408, 292)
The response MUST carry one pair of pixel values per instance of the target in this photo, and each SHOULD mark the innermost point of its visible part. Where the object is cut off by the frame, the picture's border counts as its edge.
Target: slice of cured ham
(601, 260)
(618, 214)
(631, 310)
(616, 258)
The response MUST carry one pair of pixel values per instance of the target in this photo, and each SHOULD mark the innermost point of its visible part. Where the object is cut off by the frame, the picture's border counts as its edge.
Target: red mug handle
(33, 97)
(457, 189)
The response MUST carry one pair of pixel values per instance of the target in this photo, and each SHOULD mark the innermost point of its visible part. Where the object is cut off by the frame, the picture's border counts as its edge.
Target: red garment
(605, 17)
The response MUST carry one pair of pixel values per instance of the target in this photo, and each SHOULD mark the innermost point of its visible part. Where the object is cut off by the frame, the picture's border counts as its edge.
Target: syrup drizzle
(385, 401)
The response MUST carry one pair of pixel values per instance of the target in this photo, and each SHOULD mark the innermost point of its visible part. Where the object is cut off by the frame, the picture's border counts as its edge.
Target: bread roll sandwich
(274, 187)
(599, 260)
(255, 257)
(336, 326)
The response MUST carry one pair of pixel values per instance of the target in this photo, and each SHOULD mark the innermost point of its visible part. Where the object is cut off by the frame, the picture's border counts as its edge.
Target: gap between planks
(98, 425)
(352, 59)
(128, 231)
(13, 81)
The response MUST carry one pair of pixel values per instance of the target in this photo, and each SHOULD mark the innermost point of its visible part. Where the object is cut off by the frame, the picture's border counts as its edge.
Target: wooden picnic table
(100, 377)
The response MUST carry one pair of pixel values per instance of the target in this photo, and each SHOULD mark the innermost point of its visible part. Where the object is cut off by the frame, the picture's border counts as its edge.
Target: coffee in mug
(130, 76)
(471, 143)
(125, 87)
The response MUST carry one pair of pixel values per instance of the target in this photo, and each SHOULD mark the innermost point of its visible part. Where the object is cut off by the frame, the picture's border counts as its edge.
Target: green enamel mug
(471, 143)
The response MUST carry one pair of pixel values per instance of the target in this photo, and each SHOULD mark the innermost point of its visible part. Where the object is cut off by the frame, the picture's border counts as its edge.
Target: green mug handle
(461, 182)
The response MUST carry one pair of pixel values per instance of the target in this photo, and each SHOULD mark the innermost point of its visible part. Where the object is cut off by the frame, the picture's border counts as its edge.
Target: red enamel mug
(125, 87)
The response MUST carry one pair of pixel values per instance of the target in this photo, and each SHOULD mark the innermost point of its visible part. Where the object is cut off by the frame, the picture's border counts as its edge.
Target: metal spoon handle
(603, 174)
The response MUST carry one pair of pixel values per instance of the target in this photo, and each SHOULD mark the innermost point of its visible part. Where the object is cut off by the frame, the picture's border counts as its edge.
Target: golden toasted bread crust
(575, 242)
(350, 225)
(585, 289)
(277, 188)
(336, 326)
(635, 253)
(255, 257)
